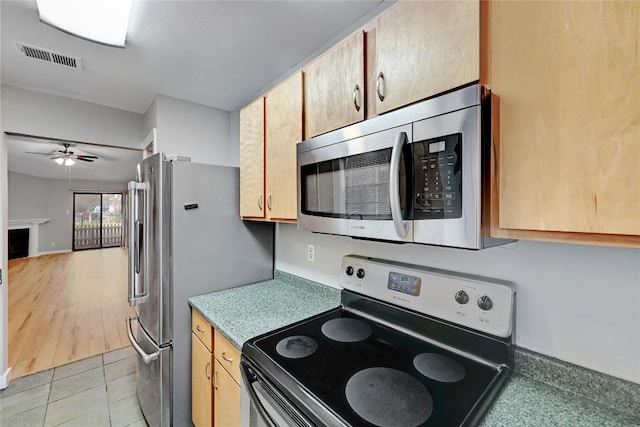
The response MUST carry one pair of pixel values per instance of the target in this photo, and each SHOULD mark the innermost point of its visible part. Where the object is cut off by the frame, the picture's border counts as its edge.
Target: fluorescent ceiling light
(101, 21)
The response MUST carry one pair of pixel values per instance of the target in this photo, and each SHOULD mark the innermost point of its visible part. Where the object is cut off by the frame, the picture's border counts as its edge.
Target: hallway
(66, 307)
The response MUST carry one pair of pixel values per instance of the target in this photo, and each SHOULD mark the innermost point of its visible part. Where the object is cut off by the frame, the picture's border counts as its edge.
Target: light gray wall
(192, 130)
(577, 303)
(150, 119)
(30, 197)
(37, 113)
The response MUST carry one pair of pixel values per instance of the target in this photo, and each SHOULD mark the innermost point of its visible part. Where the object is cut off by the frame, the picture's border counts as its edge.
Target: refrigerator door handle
(136, 240)
(146, 357)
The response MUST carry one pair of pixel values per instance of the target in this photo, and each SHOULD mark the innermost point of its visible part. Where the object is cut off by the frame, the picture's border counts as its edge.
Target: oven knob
(360, 273)
(462, 297)
(485, 303)
(349, 271)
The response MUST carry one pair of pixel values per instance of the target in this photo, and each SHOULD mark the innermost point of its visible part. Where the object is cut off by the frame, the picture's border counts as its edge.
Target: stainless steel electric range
(408, 346)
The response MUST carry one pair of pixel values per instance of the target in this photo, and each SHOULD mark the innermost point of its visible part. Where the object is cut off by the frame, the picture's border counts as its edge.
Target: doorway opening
(97, 220)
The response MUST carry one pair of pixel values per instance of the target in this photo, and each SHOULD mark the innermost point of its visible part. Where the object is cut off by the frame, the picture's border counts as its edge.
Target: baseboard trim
(5, 378)
(64, 251)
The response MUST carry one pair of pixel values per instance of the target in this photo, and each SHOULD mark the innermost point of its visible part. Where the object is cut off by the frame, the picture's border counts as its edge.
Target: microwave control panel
(438, 177)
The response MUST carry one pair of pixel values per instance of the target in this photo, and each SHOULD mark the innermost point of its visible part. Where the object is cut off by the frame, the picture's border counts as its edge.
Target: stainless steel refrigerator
(185, 238)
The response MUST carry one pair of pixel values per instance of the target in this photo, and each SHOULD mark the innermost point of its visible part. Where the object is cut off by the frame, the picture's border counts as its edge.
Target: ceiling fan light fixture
(64, 161)
(100, 21)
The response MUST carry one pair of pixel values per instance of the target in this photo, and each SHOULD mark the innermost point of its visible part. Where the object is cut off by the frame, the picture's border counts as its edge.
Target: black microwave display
(437, 166)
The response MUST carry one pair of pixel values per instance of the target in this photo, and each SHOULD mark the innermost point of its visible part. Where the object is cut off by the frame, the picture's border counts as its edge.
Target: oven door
(360, 187)
(263, 406)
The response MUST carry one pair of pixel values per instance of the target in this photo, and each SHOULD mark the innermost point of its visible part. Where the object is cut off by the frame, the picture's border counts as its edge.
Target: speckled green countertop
(542, 392)
(245, 312)
(528, 402)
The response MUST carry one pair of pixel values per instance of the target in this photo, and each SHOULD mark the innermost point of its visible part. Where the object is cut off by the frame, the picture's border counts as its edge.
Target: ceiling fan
(66, 157)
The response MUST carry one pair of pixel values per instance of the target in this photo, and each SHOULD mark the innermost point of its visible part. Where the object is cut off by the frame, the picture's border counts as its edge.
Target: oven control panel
(480, 303)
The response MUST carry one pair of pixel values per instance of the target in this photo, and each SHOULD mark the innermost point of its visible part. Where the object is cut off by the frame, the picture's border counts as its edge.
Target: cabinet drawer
(202, 329)
(227, 355)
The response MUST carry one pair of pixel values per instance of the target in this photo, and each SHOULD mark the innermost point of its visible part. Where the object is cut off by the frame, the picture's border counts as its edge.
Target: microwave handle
(394, 185)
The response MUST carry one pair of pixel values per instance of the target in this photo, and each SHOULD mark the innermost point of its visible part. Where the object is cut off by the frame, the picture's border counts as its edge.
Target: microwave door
(349, 188)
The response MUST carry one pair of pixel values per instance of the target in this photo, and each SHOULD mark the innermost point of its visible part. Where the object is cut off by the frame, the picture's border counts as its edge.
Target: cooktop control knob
(462, 297)
(360, 273)
(349, 271)
(485, 303)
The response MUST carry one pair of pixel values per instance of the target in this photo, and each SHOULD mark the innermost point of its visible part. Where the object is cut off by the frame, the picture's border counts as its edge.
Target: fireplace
(18, 243)
(31, 226)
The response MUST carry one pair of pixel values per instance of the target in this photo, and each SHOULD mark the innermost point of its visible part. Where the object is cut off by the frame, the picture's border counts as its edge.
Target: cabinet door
(568, 78)
(252, 160)
(201, 394)
(334, 87)
(424, 48)
(284, 131)
(227, 399)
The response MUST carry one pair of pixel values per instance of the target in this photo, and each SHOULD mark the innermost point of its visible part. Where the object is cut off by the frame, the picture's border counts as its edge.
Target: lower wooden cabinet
(201, 390)
(215, 378)
(226, 396)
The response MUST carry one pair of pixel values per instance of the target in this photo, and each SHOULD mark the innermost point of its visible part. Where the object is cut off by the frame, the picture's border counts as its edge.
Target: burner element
(439, 367)
(296, 347)
(345, 329)
(388, 397)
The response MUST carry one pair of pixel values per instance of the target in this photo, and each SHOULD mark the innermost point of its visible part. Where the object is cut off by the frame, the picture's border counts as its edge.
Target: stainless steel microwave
(417, 174)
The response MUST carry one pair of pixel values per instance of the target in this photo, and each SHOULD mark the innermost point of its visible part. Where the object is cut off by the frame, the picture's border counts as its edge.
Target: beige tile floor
(99, 391)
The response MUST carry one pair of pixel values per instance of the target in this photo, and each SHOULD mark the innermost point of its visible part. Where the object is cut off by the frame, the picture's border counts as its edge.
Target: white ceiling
(216, 53)
(113, 164)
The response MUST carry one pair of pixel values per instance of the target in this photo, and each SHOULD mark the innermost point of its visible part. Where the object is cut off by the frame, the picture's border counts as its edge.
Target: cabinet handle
(260, 201)
(269, 201)
(199, 329)
(206, 370)
(228, 359)
(215, 379)
(380, 86)
(356, 96)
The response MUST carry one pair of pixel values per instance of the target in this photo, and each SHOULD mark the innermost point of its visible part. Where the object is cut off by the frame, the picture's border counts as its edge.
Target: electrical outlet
(311, 252)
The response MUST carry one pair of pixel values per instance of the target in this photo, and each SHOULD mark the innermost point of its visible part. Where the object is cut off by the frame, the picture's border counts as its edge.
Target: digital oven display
(404, 283)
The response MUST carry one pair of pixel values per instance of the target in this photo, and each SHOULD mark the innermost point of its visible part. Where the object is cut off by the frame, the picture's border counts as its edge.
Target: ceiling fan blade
(43, 154)
(85, 160)
(83, 157)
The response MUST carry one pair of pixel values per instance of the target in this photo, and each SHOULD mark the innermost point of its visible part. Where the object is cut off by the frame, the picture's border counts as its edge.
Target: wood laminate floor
(66, 307)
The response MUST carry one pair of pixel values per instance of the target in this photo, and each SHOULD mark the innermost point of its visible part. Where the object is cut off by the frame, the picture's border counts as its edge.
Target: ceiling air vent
(49, 56)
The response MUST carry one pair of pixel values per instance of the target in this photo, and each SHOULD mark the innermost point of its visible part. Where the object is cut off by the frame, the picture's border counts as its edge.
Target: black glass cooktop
(370, 374)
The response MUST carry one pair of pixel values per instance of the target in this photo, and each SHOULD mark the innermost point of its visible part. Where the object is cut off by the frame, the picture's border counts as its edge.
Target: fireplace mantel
(32, 225)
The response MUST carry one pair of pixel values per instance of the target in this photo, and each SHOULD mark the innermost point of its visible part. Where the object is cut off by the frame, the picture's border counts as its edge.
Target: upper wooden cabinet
(424, 48)
(334, 87)
(283, 132)
(270, 128)
(252, 160)
(567, 75)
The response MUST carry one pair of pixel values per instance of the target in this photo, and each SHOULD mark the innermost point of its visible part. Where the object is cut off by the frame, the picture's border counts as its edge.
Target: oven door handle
(279, 416)
(394, 185)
